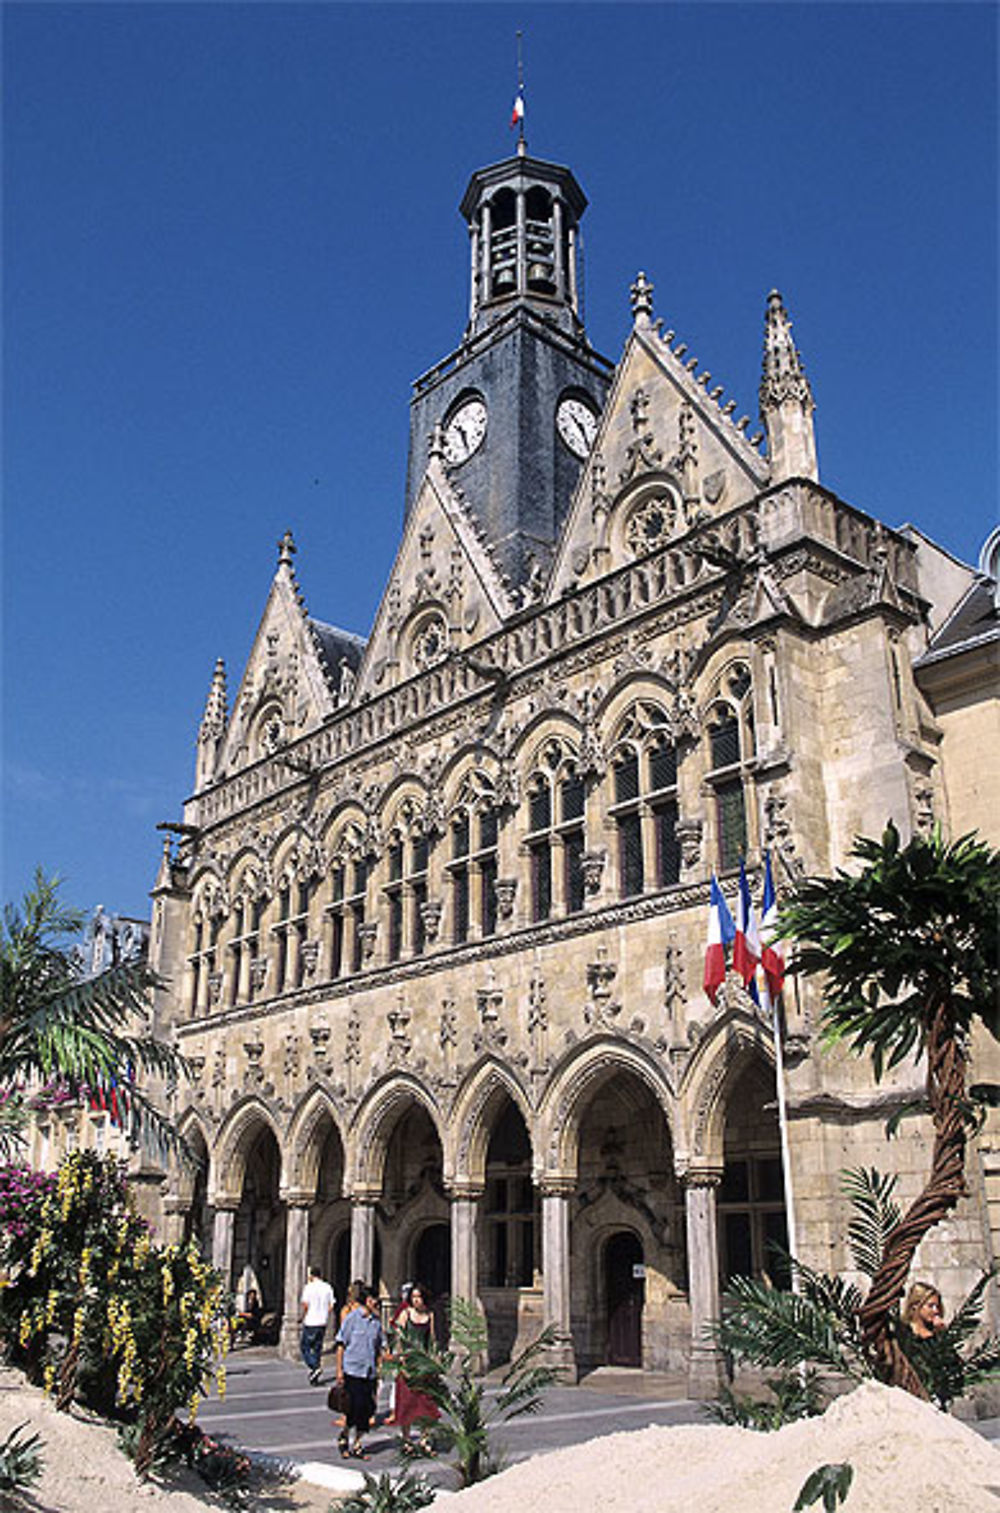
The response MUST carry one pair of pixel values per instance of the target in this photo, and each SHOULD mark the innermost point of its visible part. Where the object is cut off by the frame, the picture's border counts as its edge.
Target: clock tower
(518, 401)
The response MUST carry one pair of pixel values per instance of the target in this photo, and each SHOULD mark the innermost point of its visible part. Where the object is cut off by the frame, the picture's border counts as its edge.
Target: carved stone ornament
(319, 1034)
(491, 1035)
(506, 891)
(368, 931)
(253, 1074)
(592, 864)
(674, 984)
(689, 834)
(310, 957)
(258, 972)
(600, 1009)
(430, 915)
(653, 523)
(291, 1063)
(214, 987)
(400, 1043)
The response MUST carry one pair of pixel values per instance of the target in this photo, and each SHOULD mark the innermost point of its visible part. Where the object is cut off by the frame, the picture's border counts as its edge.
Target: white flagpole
(773, 1007)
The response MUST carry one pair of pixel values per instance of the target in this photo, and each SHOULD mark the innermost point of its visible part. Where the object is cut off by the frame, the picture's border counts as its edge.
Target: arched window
(405, 891)
(555, 839)
(644, 804)
(730, 735)
(473, 871)
(349, 874)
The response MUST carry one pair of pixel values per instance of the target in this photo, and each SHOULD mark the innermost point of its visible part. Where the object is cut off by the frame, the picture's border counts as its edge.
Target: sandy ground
(85, 1472)
(907, 1458)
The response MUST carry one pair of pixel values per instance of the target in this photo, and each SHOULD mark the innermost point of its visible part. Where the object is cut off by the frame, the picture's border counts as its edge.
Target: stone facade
(432, 926)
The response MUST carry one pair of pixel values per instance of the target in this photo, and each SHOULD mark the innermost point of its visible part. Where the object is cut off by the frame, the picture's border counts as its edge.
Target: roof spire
(286, 550)
(517, 114)
(786, 402)
(213, 726)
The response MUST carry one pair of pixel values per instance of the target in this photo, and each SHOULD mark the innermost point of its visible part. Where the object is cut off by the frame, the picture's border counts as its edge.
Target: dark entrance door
(625, 1293)
(432, 1267)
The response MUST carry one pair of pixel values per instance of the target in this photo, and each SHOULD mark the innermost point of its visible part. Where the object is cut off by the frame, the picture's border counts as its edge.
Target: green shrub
(94, 1309)
(387, 1494)
(20, 1461)
(793, 1395)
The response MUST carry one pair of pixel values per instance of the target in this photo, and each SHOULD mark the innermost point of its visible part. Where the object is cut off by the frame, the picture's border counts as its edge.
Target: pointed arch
(477, 1103)
(233, 1143)
(315, 1115)
(583, 1072)
(727, 1048)
(375, 1121)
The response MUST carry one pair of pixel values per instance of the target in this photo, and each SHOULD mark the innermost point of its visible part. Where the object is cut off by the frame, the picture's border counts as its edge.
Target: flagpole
(521, 147)
(774, 1005)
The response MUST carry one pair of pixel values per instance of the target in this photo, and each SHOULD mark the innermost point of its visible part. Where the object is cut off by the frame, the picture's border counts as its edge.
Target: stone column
(558, 269)
(556, 1195)
(522, 243)
(465, 1241)
(297, 1206)
(363, 1238)
(647, 825)
(703, 1279)
(293, 945)
(222, 1238)
(174, 1210)
(486, 251)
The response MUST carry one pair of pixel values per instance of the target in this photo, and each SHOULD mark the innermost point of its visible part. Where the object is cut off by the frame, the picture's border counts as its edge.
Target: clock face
(464, 432)
(577, 425)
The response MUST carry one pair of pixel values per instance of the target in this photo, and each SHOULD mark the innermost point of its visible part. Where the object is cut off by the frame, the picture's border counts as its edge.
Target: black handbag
(336, 1399)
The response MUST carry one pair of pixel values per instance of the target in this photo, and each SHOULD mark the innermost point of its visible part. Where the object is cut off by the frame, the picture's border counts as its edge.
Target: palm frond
(875, 1215)
(770, 1328)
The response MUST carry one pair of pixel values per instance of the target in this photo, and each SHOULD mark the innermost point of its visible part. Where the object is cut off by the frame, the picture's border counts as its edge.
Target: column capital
(701, 1176)
(364, 1196)
(224, 1203)
(461, 1188)
(556, 1185)
(297, 1197)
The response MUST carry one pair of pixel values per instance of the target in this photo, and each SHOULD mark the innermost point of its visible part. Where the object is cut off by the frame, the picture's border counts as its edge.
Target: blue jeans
(312, 1344)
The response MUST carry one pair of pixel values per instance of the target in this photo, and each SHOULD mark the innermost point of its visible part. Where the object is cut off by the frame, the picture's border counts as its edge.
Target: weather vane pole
(517, 115)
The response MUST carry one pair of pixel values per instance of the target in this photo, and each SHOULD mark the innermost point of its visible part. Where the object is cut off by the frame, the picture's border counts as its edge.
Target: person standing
(415, 1323)
(317, 1306)
(360, 1344)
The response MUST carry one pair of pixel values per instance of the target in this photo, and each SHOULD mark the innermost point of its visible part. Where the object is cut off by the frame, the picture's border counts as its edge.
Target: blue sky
(232, 241)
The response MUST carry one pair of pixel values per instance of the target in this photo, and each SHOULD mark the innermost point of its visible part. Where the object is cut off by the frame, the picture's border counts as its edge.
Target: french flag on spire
(746, 947)
(772, 955)
(721, 931)
(517, 114)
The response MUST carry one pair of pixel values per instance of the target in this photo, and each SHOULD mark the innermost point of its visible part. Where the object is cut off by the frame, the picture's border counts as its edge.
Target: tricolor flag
(772, 955)
(720, 932)
(746, 947)
(517, 114)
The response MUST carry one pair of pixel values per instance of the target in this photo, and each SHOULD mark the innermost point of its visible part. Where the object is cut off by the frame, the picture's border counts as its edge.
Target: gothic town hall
(432, 926)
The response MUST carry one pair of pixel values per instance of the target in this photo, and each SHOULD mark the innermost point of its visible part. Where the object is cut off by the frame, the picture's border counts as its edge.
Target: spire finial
(786, 402)
(286, 550)
(641, 296)
(517, 114)
(783, 376)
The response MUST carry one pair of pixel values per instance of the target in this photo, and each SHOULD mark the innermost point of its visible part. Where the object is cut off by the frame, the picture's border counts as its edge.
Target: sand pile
(907, 1458)
(85, 1472)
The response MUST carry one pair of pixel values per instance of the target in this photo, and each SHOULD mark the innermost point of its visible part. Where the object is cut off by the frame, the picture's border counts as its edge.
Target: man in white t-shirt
(317, 1306)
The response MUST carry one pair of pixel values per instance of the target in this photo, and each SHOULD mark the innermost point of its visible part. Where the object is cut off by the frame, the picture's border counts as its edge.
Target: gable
(445, 591)
(666, 457)
(290, 683)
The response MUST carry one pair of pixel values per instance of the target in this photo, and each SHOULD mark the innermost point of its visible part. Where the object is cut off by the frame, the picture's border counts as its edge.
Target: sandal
(342, 1445)
(359, 1453)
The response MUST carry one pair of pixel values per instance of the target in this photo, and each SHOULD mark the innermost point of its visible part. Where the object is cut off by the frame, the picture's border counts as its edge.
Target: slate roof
(974, 620)
(336, 646)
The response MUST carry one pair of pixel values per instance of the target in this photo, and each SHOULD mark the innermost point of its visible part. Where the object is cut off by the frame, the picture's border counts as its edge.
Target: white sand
(907, 1458)
(85, 1472)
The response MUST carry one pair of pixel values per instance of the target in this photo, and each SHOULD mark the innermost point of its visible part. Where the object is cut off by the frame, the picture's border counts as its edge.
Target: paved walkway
(270, 1407)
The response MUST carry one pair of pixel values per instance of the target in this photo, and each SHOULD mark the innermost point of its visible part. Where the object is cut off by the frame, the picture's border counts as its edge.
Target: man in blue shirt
(360, 1344)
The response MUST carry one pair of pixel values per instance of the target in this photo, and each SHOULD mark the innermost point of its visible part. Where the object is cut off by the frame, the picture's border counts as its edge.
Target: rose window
(651, 524)
(430, 643)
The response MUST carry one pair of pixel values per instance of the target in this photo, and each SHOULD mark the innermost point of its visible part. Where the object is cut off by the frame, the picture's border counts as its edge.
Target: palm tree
(909, 951)
(65, 1032)
(448, 1378)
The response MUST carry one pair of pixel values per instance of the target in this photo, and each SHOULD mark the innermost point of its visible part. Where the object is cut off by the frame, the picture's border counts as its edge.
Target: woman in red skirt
(414, 1323)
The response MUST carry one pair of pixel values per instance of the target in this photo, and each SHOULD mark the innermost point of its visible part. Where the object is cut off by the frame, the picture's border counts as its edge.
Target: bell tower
(517, 402)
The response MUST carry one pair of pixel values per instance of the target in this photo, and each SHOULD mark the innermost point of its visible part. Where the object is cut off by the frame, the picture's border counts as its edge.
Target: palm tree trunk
(945, 1093)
